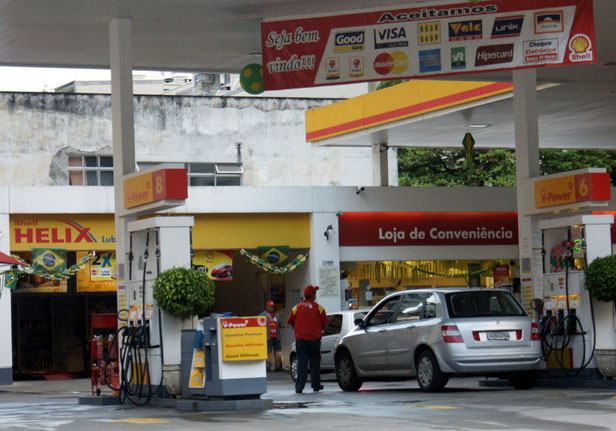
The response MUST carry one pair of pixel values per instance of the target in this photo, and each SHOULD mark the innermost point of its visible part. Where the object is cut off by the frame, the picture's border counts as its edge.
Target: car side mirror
(359, 322)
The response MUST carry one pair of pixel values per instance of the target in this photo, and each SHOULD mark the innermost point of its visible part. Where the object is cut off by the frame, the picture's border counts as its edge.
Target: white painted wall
(39, 130)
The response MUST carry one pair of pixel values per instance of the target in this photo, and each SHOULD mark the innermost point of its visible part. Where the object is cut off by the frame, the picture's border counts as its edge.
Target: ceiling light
(479, 126)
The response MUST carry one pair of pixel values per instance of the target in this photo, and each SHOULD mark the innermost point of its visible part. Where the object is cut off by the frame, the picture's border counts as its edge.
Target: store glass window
(90, 170)
(208, 174)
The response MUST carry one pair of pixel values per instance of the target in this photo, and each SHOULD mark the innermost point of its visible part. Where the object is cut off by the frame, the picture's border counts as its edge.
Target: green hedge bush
(601, 279)
(184, 292)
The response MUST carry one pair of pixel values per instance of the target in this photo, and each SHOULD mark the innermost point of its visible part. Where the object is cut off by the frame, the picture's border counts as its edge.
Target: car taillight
(518, 334)
(451, 334)
(534, 332)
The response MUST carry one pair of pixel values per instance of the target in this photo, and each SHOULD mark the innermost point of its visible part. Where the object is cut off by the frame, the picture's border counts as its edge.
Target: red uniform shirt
(272, 320)
(308, 318)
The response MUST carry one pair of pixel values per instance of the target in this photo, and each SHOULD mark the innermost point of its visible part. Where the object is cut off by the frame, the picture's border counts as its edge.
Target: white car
(339, 324)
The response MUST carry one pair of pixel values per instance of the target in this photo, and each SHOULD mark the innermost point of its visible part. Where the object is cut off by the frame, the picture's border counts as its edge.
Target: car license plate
(498, 335)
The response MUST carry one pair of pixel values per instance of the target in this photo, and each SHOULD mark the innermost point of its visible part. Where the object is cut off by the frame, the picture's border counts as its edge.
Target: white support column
(6, 349)
(324, 260)
(527, 166)
(380, 168)
(122, 117)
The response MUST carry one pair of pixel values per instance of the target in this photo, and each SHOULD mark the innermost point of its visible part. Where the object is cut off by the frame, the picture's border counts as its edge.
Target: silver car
(432, 334)
(339, 324)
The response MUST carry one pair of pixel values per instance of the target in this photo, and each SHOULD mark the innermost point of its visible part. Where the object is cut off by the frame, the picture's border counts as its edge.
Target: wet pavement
(464, 405)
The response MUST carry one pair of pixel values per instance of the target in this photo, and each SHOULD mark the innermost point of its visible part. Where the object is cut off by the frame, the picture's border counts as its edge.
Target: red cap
(269, 304)
(310, 290)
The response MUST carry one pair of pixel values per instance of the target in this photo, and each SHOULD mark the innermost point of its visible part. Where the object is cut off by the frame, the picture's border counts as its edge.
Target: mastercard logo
(397, 62)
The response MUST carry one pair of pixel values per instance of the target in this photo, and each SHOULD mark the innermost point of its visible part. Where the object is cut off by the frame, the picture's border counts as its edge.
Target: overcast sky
(35, 79)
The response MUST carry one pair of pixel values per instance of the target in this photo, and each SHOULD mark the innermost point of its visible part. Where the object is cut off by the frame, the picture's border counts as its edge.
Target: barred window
(90, 170)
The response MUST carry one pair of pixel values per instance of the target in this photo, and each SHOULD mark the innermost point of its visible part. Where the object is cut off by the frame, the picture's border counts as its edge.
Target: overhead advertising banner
(243, 338)
(403, 229)
(216, 264)
(439, 39)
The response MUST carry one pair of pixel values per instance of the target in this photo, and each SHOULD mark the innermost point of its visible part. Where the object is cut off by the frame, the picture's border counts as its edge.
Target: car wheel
(523, 380)
(345, 373)
(429, 375)
(293, 367)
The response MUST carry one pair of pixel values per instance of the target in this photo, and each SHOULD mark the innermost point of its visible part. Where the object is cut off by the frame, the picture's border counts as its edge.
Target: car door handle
(383, 331)
(410, 328)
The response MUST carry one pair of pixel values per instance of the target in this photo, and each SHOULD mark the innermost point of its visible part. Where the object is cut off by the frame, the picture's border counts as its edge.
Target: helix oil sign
(71, 232)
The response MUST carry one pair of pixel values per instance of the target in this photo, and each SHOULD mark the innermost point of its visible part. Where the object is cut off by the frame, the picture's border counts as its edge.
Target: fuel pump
(149, 339)
(567, 324)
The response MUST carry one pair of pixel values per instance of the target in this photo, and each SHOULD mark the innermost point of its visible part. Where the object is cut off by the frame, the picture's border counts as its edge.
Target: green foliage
(601, 279)
(184, 292)
(390, 83)
(446, 167)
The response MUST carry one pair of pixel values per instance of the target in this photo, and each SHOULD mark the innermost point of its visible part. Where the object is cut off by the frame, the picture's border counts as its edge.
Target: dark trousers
(308, 351)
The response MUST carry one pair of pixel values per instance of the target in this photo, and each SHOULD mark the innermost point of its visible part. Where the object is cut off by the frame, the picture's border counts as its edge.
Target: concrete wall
(39, 130)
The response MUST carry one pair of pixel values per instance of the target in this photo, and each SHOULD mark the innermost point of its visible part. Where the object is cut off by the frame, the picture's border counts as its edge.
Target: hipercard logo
(549, 22)
(393, 37)
(349, 41)
(465, 30)
(509, 26)
(494, 54)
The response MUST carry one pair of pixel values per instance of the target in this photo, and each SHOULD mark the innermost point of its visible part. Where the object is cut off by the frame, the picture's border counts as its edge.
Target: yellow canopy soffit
(392, 104)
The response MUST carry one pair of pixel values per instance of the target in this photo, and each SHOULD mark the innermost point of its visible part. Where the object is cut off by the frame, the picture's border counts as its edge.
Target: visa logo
(510, 26)
(465, 30)
(390, 38)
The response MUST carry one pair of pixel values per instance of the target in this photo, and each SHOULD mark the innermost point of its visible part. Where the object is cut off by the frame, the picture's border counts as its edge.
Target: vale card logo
(465, 30)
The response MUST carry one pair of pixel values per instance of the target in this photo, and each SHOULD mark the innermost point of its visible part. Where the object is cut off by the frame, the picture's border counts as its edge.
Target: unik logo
(390, 38)
(509, 26)
(73, 234)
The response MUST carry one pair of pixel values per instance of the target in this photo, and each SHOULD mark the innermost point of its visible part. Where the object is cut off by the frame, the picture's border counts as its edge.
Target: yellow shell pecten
(579, 44)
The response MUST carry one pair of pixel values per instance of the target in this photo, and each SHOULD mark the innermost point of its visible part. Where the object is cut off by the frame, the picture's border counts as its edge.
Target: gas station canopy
(224, 36)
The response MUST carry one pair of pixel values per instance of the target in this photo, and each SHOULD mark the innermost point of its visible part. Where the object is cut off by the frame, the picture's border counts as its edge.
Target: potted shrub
(184, 293)
(601, 285)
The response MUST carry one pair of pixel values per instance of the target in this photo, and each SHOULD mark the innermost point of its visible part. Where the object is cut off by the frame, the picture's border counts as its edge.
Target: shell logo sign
(581, 48)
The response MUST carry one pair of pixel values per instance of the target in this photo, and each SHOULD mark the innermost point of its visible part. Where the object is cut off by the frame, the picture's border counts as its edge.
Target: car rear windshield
(482, 303)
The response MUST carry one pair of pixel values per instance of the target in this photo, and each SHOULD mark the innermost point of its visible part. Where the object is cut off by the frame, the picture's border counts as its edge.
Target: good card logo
(349, 41)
